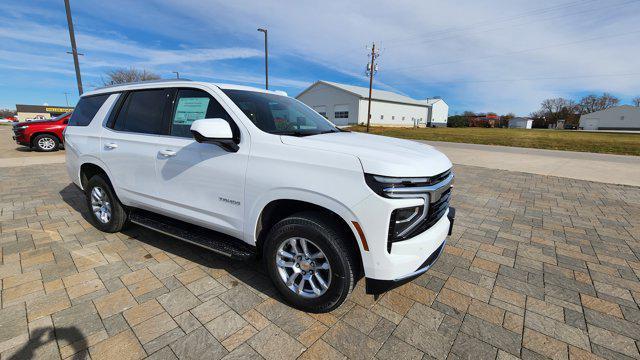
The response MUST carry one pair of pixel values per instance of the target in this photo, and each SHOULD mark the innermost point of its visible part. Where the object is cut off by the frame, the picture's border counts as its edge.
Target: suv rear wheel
(309, 261)
(46, 142)
(107, 213)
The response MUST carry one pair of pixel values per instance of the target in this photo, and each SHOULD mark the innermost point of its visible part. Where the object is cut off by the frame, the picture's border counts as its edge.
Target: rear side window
(86, 109)
(192, 105)
(142, 112)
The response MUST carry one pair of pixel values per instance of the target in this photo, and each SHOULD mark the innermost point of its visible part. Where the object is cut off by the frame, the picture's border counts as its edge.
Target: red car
(42, 135)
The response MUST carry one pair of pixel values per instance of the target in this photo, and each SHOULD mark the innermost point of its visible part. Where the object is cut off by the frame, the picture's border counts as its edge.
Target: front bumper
(377, 286)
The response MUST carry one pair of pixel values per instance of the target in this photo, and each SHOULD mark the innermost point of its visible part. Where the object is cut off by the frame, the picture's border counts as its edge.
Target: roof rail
(141, 82)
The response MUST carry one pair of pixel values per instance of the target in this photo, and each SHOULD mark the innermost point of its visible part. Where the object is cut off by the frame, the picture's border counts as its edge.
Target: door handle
(111, 146)
(167, 153)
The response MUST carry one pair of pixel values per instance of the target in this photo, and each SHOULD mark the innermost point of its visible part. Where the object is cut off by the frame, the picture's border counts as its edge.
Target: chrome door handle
(167, 153)
(111, 146)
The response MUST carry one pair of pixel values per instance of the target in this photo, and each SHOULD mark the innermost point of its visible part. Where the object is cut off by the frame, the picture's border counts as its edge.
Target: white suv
(251, 173)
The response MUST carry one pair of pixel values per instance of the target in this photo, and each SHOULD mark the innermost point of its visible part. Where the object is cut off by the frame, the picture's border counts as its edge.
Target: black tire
(46, 143)
(118, 215)
(326, 235)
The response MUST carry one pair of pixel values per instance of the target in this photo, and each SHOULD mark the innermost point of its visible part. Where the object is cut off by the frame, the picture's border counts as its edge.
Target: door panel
(130, 147)
(201, 183)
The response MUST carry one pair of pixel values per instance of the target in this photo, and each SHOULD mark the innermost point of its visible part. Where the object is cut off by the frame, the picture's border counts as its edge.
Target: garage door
(590, 124)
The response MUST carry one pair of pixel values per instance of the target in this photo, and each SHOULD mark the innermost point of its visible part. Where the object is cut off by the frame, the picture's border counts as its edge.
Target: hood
(379, 155)
(34, 122)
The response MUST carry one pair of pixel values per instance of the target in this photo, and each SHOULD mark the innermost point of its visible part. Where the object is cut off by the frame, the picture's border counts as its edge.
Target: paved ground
(537, 267)
(614, 169)
(12, 154)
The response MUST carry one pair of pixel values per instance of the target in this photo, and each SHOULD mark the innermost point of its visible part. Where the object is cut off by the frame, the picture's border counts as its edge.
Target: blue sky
(497, 55)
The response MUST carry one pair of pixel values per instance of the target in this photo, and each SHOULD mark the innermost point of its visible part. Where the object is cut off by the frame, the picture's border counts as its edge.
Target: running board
(197, 235)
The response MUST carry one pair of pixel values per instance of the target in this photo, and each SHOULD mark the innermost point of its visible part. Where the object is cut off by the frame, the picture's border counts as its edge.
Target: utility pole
(74, 49)
(266, 59)
(66, 97)
(177, 74)
(372, 67)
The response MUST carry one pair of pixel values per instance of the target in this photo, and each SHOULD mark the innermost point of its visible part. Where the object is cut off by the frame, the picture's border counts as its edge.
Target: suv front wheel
(106, 211)
(310, 262)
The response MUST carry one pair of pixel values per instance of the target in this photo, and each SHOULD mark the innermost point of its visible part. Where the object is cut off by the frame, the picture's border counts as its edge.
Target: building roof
(620, 107)
(363, 93)
(42, 108)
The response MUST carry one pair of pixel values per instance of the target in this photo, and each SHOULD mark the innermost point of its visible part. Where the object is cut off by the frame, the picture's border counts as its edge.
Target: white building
(347, 105)
(437, 112)
(520, 123)
(625, 117)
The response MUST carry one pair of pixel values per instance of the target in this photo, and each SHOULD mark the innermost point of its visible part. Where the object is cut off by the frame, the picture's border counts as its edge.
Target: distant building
(24, 112)
(437, 112)
(488, 120)
(521, 123)
(625, 117)
(347, 105)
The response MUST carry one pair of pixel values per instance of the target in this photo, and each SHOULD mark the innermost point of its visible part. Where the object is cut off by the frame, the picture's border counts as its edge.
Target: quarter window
(86, 109)
(142, 112)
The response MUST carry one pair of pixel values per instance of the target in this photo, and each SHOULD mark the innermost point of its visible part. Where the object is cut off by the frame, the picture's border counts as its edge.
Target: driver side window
(191, 105)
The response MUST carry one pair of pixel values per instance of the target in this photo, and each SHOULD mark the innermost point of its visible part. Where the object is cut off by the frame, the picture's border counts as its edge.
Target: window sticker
(190, 110)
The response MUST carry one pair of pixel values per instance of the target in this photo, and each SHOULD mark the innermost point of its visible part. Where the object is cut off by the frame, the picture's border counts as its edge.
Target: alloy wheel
(100, 205)
(303, 267)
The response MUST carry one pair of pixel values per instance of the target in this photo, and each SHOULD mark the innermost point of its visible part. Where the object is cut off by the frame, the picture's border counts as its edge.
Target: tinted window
(278, 114)
(86, 109)
(142, 112)
(192, 105)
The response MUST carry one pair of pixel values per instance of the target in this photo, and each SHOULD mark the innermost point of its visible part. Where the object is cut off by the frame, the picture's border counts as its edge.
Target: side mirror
(214, 131)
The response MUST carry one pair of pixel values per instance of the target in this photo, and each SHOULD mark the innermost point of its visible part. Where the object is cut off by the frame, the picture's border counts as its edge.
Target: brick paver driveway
(537, 267)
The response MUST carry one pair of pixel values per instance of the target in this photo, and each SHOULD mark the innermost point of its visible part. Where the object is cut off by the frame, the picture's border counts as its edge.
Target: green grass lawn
(607, 143)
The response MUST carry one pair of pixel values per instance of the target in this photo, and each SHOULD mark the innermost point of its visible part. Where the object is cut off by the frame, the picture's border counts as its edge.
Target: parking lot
(537, 267)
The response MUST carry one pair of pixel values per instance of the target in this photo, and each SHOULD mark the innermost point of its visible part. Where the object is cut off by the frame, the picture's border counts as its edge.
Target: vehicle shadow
(250, 272)
(40, 337)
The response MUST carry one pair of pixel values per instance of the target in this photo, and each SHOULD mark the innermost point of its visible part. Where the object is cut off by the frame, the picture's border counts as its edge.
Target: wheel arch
(280, 208)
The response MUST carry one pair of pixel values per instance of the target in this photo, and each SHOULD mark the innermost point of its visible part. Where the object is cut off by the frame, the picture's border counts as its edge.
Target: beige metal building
(30, 112)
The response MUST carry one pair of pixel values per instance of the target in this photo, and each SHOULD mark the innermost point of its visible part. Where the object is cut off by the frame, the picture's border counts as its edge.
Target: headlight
(23, 127)
(379, 183)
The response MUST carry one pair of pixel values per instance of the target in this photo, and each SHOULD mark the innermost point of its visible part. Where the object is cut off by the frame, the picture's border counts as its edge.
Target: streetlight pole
(266, 59)
(177, 74)
(66, 97)
(74, 49)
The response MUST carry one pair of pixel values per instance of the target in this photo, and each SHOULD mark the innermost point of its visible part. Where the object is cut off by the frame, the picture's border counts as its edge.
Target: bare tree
(552, 110)
(121, 76)
(636, 101)
(592, 103)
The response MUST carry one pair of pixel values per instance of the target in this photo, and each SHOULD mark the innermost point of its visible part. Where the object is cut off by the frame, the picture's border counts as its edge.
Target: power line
(517, 51)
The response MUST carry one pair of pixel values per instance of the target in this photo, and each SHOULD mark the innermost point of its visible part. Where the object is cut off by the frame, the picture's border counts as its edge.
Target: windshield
(280, 115)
